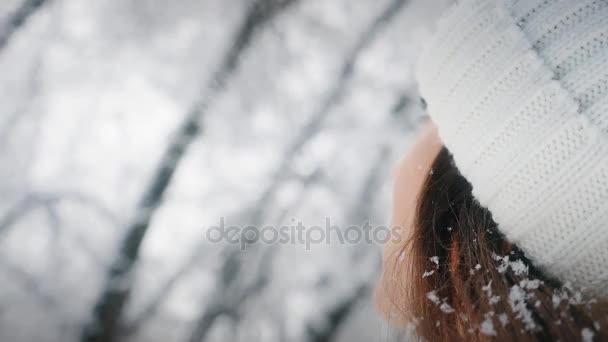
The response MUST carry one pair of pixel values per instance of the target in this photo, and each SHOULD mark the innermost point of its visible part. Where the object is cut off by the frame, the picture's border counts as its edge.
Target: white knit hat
(519, 92)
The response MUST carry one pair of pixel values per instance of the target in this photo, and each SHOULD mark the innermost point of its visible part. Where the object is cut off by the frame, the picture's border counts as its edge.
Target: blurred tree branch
(361, 210)
(33, 288)
(233, 263)
(17, 19)
(30, 284)
(334, 96)
(109, 307)
(164, 291)
(161, 295)
(337, 315)
(230, 295)
(35, 200)
(32, 88)
(48, 203)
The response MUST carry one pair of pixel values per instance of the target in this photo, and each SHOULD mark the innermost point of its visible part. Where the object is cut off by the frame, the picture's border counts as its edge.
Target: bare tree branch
(333, 98)
(35, 200)
(29, 284)
(48, 203)
(337, 315)
(233, 262)
(225, 304)
(15, 213)
(229, 300)
(108, 309)
(360, 211)
(207, 317)
(32, 286)
(164, 291)
(34, 289)
(33, 90)
(16, 20)
(257, 285)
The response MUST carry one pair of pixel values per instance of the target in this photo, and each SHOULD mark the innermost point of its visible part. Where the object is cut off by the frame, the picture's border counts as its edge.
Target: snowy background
(129, 127)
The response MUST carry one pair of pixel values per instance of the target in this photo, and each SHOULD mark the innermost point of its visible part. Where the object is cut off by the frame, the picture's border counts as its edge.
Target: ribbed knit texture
(519, 92)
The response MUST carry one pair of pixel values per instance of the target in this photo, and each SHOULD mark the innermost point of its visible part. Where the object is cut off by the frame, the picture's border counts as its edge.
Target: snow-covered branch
(17, 19)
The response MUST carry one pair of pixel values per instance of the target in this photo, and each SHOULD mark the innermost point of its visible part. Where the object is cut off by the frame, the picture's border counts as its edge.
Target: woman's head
(518, 91)
(504, 204)
(455, 276)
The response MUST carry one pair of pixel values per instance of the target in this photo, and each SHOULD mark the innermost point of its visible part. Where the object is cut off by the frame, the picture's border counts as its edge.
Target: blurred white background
(302, 108)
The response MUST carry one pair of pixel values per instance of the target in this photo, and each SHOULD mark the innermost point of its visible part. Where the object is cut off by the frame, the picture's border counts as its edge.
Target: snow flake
(432, 296)
(428, 273)
(435, 260)
(503, 318)
(556, 300)
(517, 266)
(576, 299)
(504, 263)
(443, 306)
(446, 308)
(529, 284)
(517, 300)
(477, 268)
(587, 335)
(487, 327)
(488, 290)
(558, 297)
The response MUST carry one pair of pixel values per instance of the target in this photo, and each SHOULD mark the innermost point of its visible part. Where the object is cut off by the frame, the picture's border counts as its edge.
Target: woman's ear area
(412, 172)
(409, 178)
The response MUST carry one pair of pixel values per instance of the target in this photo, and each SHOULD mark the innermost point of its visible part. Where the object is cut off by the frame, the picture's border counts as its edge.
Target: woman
(504, 197)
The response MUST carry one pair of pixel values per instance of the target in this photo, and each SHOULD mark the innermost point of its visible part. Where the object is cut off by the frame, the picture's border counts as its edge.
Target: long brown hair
(462, 280)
